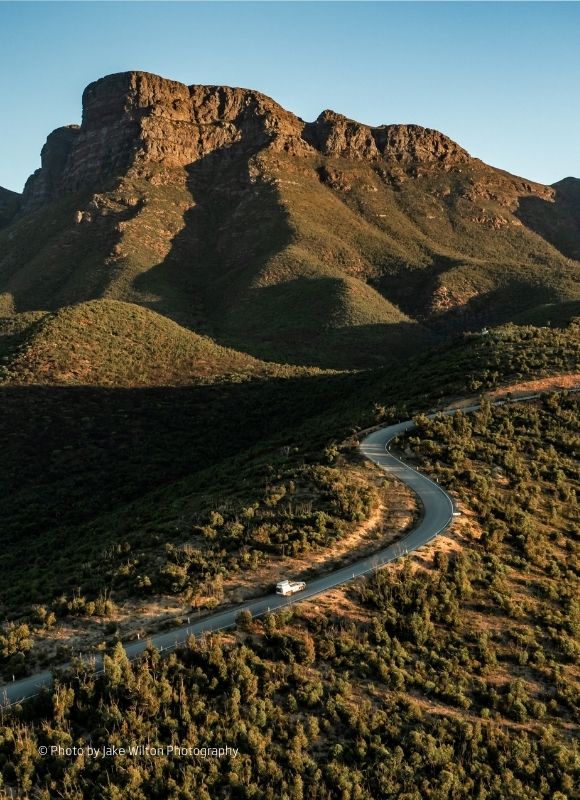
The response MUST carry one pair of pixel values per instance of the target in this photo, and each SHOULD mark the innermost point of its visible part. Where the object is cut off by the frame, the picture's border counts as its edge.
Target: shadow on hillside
(47, 260)
(557, 221)
(210, 279)
(233, 227)
(114, 443)
(412, 289)
(494, 308)
(73, 456)
(553, 315)
(289, 322)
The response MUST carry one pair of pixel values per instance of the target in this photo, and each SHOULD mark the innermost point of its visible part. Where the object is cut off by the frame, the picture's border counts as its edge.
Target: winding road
(437, 515)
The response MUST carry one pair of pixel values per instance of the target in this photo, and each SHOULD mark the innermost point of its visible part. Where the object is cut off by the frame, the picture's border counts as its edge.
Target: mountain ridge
(330, 244)
(132, 118)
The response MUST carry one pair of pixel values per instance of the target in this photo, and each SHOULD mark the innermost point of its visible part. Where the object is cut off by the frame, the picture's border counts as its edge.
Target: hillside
(452, 676)
(99, 481)
(329, 243)
(111, 343)
(557, 221)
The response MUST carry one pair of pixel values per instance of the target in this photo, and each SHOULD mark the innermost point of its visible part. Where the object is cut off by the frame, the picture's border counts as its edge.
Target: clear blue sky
(502, 79)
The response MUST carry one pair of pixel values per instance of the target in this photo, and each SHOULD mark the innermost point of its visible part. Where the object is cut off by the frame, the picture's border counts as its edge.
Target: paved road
(437, 515)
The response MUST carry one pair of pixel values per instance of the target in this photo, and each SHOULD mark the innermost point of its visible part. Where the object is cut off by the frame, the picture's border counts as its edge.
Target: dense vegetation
(84, 470)
(451, 679)
(475, 363)
(98, 482)
(109, 343)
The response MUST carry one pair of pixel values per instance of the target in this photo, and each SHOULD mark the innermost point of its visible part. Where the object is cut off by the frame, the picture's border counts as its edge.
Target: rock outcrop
(413, 144)
(335, 135)
(136, 119)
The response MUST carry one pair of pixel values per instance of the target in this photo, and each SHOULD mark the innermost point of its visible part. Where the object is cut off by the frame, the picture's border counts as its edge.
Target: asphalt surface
(437, 515)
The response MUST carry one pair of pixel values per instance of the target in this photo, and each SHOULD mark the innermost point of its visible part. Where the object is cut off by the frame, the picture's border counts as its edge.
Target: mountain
(329, 243)
(9, 205)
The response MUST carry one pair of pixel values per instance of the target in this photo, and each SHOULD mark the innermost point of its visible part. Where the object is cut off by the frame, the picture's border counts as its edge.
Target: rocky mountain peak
(137, 119)
(334, 134)
(415, 144)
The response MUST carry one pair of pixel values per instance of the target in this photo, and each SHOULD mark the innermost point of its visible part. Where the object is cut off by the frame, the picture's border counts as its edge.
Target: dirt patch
(337, 603)
(554, 383)
(387, 524)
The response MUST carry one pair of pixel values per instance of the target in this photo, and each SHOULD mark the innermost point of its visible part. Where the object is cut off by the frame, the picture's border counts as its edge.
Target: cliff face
(135, 119)
(9, 205)
(335, 135)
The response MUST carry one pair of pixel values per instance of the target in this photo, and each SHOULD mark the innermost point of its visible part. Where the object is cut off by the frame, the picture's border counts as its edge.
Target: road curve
(437, 514)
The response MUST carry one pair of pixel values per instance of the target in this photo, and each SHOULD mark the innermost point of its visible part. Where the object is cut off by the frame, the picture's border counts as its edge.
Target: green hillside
(89, 467)
(557, 221)
(111, 343)
(453, 675)
(316, 261)
(557, 315)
